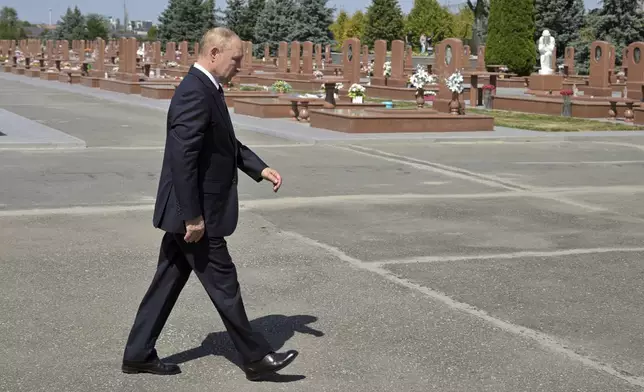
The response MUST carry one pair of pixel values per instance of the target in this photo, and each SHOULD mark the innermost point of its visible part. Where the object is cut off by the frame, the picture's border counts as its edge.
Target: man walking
(197, 206)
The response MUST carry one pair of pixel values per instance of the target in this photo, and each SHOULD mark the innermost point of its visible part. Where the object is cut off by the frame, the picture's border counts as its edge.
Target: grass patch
(546, 123)
(534, 122)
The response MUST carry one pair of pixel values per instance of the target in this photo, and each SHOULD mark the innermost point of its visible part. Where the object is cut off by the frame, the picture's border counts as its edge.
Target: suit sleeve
(189, 120)
(249, 162)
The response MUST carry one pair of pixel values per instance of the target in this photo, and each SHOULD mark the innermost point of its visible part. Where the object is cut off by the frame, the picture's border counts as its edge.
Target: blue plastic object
(389, 104)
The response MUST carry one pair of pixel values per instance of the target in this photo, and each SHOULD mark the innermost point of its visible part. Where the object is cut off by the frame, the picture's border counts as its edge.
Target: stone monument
(546, 49)
(600, 64)
(635, 82)
(546, 80)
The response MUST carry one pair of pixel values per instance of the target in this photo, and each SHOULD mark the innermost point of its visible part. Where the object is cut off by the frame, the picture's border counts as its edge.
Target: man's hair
(219, 37)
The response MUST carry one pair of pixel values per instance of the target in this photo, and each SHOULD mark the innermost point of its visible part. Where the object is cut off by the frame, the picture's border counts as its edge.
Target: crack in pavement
(551, 343)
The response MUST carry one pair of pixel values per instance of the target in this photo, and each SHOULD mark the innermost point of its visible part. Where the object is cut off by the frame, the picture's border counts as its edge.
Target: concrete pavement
(392, 265)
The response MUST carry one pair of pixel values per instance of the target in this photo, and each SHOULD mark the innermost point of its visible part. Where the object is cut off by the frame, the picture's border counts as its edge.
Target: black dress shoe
(155, 366)
(271, 363)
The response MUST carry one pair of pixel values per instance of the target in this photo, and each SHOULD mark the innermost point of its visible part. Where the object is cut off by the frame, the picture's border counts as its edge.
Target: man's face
(227, 61)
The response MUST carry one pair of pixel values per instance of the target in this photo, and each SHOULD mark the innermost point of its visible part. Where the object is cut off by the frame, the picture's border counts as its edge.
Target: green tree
(563, 18)
(251, 13)
(587, 34)
(384, 21)
(210, 16)
(339, 28)
(72, 26)
(10, 26)
(620, 22)
(356, 25)
(462, 24)
(186, 20)
(510, 39)
(152, 33)
(276, 23)
(313, 19)
(234, 16)
(430, 18)
(97, 26)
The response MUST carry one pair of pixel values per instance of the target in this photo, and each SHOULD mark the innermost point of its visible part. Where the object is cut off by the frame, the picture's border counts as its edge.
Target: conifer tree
(234, 17)
(312, 22)
(210, 17)
(276, 23)
(620, 22)
(252, 10)
(563, 18)
(186, 20)
(384, 21)
(510, 39)
(72, 26)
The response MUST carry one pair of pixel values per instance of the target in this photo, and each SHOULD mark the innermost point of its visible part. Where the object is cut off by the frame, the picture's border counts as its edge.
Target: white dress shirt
(209, 75)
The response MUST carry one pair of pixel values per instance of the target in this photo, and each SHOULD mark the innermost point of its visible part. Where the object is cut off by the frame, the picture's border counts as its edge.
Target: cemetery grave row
(304, 83)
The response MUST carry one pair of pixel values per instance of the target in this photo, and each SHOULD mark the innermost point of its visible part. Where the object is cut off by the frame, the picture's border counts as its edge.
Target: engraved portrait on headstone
(448, 54)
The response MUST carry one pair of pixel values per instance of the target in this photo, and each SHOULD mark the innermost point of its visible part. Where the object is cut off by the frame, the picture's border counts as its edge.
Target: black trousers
(211, 262)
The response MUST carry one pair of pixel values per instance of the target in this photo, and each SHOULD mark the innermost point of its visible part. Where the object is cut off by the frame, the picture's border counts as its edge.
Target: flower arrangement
(429, 92)
(489, 87)
(386, 69)
(566, 109)
(318, 74)
(356, 90)
(281, 86)
(172, 64)
(421, 78)
(455, 82)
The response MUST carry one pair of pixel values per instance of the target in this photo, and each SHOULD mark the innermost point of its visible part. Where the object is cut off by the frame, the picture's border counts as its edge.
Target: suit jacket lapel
(219, 101)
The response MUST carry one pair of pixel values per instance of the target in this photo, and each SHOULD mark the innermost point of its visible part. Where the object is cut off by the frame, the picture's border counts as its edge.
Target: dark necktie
(221, 93)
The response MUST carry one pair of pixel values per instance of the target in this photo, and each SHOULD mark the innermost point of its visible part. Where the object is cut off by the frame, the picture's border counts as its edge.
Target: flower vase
(454, 104)
(487, 99)
(566, 109)
(420, 97)
(357, 99)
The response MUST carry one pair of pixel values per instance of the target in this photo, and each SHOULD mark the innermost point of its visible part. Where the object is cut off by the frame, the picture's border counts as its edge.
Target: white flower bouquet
(386, 69)
(318, 74)
(421, 78)
(356, 90)
(455, 82)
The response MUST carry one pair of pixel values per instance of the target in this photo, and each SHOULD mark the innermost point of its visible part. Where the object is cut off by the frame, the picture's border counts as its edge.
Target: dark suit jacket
(202, 154)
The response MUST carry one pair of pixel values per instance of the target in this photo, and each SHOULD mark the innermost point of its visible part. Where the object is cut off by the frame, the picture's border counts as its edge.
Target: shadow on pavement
(277, 329)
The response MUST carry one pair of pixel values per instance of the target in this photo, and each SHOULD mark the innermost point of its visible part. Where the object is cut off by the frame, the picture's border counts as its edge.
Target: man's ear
(214, 51)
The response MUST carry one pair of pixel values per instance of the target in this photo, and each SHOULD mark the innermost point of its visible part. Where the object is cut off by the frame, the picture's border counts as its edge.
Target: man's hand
(273, 176)
(194, 229)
